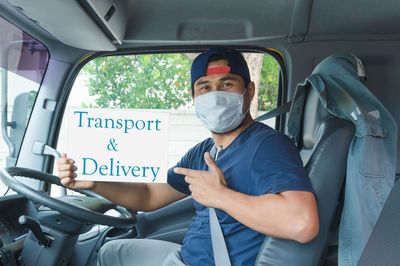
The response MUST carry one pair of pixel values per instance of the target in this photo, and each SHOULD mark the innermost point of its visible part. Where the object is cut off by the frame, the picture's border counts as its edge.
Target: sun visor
(91, 24)
(110, 15)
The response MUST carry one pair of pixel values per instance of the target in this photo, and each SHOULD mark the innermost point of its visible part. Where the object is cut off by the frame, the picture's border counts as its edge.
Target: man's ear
(251, 90)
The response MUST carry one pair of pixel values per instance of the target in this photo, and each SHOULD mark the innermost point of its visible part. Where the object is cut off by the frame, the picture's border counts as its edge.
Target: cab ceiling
(180, 22)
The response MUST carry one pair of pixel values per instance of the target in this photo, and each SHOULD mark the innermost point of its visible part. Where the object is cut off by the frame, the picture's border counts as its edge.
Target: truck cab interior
(136, 54)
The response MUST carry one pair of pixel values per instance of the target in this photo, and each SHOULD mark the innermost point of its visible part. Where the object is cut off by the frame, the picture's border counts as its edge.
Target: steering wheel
(77, 212)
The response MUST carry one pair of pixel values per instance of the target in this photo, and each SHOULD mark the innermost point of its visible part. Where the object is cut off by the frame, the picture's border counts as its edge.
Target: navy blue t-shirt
(259, 161)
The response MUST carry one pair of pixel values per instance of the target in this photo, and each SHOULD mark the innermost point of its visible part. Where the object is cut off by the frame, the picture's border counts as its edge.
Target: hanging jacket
(371, 162)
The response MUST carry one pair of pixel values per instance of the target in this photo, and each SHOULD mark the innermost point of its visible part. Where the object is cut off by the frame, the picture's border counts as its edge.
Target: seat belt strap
(221, 255)
(280, 110)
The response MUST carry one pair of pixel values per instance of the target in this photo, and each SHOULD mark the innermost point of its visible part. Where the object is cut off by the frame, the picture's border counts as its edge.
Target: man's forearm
(133, 196)
(139, 196)
(290, 215)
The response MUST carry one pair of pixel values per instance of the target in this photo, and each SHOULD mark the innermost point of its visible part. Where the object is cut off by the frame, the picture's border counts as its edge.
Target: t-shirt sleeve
(189, 160)
(277, 167)
(178, 181)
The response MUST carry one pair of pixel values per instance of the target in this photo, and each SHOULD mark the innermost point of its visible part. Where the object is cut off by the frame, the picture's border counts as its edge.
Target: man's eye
(204, 88)
(227, 84)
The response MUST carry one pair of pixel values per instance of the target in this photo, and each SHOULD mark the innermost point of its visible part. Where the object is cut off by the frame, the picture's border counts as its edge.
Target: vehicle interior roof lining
(300, 20)
(251, 22)
(274, 22)
(355, 17)
(180, 22)
(176, 20)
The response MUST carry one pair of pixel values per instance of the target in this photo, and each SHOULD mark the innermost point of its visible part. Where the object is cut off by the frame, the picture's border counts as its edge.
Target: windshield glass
(23, 64)
(147, 83)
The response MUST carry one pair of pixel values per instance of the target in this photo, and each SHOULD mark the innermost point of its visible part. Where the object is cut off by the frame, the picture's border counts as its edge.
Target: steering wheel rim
(77, 212)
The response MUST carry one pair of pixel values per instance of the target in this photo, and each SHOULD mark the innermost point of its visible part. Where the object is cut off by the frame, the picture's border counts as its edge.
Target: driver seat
(323, 144)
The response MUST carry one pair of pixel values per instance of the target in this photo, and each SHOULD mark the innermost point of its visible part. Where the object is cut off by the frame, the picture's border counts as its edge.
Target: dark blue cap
(236, 63)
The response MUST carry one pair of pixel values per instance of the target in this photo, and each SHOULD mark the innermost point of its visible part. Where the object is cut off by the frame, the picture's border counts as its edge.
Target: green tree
(268, 89)
(158, 81)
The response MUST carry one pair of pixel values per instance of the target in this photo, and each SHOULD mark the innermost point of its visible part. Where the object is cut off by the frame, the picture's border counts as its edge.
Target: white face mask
(220, 111)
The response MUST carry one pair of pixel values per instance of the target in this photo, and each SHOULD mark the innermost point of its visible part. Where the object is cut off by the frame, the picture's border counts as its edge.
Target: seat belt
(221, 255)
(280, 110)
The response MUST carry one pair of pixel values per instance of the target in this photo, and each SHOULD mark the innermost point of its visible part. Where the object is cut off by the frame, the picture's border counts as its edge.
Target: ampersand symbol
(112, 146)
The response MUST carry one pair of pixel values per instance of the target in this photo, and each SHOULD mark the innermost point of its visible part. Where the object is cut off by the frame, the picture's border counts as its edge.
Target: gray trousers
(141, 252)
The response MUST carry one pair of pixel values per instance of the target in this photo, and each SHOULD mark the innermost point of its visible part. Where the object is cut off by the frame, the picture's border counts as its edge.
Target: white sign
(119, 145)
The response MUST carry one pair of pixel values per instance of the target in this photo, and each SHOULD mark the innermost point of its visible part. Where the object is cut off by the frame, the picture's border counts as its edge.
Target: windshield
(146, 83)
(23, 64)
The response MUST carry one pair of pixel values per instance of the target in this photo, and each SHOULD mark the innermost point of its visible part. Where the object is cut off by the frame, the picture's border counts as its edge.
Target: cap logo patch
(218, 70)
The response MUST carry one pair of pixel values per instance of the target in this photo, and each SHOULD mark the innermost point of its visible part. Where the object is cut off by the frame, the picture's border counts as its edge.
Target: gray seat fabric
(323, 147)
(383, 245)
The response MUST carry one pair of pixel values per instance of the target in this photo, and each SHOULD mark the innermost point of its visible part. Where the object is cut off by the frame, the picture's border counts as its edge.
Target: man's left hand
(205, 186)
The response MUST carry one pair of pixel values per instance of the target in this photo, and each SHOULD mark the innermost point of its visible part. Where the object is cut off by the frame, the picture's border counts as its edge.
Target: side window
(161, 81)
(264, 72)
(23, 63)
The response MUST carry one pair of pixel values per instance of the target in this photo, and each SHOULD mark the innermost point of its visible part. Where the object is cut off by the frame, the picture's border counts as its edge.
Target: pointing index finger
(187, 172)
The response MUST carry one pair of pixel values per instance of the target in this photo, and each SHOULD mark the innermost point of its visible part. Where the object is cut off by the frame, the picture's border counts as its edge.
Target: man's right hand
(66, 172)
